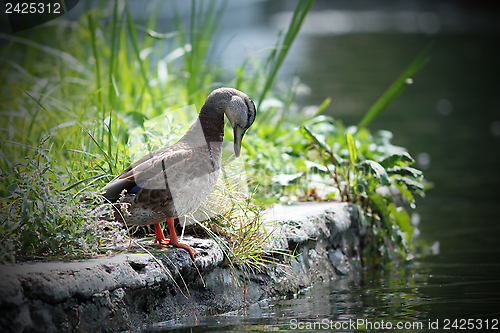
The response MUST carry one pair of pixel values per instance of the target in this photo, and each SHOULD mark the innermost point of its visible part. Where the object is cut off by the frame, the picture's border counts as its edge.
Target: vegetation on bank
(74, 96)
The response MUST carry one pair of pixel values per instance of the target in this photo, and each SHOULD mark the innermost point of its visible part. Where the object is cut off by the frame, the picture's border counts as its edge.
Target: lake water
(449, 119)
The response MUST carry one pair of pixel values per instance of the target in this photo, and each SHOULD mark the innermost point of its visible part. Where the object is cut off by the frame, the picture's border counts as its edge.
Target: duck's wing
(149, 167)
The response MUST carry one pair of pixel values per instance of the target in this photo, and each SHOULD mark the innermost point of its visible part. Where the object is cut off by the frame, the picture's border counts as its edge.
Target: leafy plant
(39, 220)
(382, 184)
(352, 165)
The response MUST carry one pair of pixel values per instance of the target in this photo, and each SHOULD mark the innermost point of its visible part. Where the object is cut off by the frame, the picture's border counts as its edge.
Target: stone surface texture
(132, 290)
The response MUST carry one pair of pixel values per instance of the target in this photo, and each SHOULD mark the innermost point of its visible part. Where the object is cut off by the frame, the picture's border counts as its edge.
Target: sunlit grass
(86, 85)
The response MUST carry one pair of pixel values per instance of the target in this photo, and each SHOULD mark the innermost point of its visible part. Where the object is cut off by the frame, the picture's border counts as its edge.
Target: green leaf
(411, 184)
(402, 220)
(380, 207)
(11, 190)
(304, 130)
(315, 167)
(376, 170)
(287, 179)
(405, 172)
(407, 193)
(396, 87)
(320, 108)
(331, 195)
(351, 146)
(400, 159)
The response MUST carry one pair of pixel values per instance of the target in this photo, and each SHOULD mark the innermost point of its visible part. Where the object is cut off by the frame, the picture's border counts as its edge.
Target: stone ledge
(131, 290)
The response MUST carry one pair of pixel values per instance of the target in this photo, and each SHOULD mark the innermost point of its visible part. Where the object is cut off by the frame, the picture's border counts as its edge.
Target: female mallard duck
(173, 181)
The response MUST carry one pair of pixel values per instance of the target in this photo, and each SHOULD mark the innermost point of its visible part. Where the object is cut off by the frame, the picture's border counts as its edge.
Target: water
(450, 120)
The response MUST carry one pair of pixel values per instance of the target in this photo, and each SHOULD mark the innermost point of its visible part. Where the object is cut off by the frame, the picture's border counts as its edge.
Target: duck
(172, 181)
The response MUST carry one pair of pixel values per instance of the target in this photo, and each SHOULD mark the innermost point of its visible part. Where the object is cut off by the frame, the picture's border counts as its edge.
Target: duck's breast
(190, 182)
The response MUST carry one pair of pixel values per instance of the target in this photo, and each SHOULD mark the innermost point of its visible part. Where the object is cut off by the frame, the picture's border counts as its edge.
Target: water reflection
(413, 295)
(338, 22)
(388, 296)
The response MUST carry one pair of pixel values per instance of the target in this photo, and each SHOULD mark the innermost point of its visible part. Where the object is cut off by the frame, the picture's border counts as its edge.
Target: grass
(86, 85)
(88, 89)
(59, 225)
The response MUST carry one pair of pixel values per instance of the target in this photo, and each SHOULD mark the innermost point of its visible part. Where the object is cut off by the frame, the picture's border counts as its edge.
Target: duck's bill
(239, 132)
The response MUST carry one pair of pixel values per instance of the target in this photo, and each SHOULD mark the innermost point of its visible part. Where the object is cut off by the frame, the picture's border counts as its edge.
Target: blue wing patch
(137, 188)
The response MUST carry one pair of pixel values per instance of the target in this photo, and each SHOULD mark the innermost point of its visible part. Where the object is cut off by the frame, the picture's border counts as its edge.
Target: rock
(130, 290)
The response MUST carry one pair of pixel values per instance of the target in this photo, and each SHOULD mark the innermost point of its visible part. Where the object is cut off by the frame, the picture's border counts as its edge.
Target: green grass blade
(319, 143)
(321, 107)
(298, 17)
(110, 135)
(92, 31)
(33, 119)
(396, 87)
(135, 44)
(112, 58)
(152, 22)
(95, 177)
(106, 156)
(75, 63)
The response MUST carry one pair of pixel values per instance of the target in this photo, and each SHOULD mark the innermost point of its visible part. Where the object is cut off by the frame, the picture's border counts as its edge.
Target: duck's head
(239, 109)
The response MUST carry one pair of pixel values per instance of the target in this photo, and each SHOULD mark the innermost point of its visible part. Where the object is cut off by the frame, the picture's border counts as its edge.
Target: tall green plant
(381, 185)
(396, 87)
(365, 170)
(202, 26)
(279, 53)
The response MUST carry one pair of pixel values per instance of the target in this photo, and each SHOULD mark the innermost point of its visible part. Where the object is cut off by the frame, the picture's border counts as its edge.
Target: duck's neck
(210, 122)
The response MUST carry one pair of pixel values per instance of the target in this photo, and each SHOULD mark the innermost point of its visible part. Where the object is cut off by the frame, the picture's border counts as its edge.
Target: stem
(334, 176)
(348, 181)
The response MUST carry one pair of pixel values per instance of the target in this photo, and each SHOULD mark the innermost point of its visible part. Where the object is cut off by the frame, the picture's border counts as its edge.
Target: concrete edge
(131, 290)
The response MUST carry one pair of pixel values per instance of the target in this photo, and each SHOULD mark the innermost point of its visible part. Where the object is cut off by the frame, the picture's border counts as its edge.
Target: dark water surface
(449, 119)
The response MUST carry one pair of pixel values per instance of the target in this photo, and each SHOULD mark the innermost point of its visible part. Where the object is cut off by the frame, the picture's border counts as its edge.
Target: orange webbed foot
(185, 246)
(160, 238)
(163, 241)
